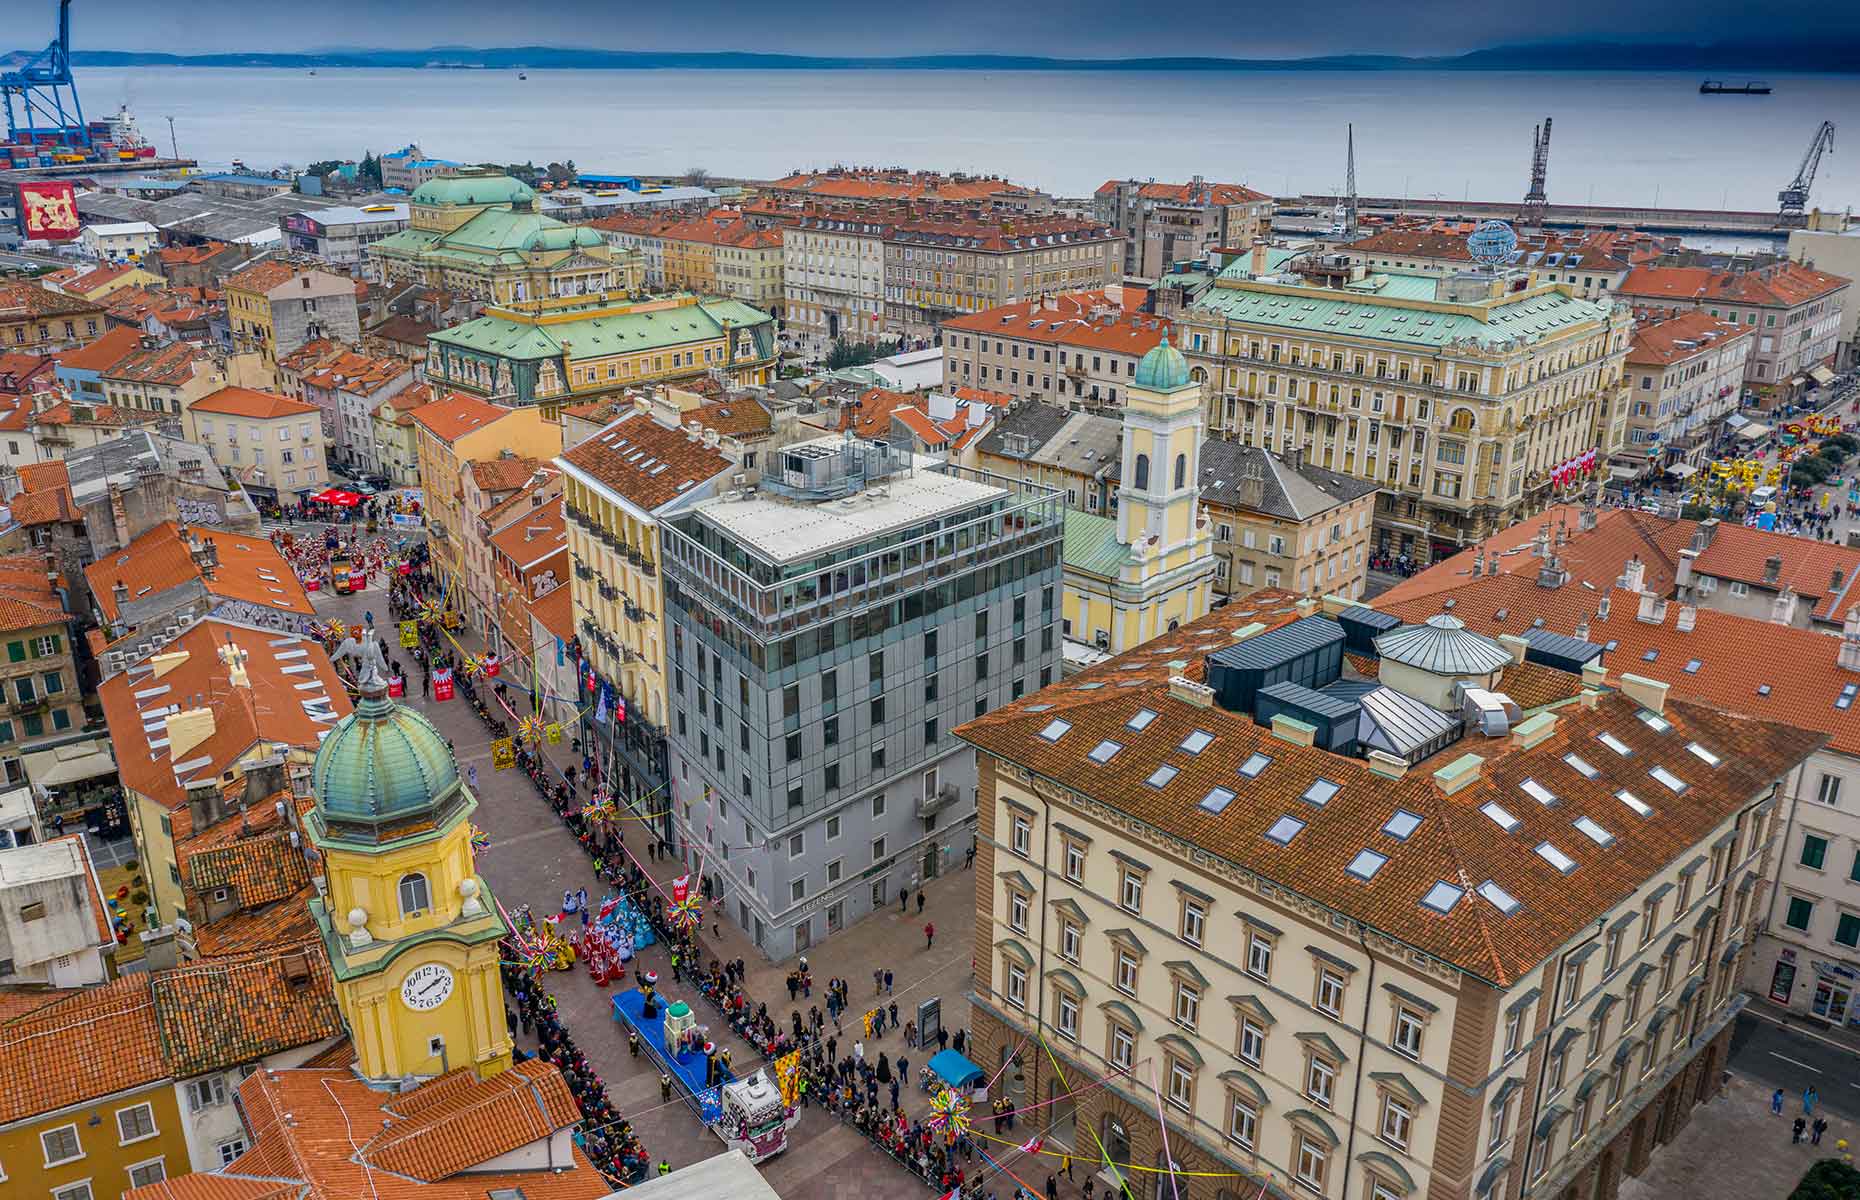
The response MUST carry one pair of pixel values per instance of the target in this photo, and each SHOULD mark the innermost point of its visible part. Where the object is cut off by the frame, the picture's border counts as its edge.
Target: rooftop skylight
(1197, 741)
(1655, 721)
(1320, 792)
(1581, 765)
(1056, 729)
(1504, 819)
(1498, 897)
(1284, 830)
(1704, 754)
(1846, 699)
(1641, 807)
(1366, 863)
(1217, 799)
(1442, 897)
(1402, 824)
(1251, 768)
(1668, 780)
(1693, 665)
(1104, 751)
(1141, 720)
(1614, 743)
(1538, 792)
(1594, 832)
(1555, 857)
(1161, 776)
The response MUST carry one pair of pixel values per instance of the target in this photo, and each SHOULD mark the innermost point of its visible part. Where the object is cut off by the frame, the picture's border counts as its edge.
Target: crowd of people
(607, 1140)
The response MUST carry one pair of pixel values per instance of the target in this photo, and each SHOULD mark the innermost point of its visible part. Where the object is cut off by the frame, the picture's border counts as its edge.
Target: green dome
(473, 189)
(1163, 369)
(382, 765)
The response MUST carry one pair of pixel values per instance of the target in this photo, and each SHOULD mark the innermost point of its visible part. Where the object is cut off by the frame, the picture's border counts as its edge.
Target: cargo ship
(1718, 87)
(112, 139)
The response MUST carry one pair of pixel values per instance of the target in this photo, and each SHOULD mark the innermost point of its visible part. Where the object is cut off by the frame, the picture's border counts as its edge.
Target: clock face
(427, 987)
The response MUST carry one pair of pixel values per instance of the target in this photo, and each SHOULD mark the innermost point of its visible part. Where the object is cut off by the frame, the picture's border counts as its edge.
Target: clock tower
(411, 930)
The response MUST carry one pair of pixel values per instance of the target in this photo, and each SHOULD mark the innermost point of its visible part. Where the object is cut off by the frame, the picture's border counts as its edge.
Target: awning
(1821, 375)
(1753, 430)
(68, 764)
(1737, 420)
(1682, 470)
(338, 497)
(954, 1068)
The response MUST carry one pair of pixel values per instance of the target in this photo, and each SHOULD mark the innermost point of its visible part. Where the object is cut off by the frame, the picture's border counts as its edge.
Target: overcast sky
(1081, 28)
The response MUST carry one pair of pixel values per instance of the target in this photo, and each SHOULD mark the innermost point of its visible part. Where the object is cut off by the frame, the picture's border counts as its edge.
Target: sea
(1620, 138)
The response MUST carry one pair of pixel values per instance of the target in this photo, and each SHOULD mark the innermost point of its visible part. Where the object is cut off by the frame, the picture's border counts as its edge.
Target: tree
(696, 177)
(368, 174)
(1829, 1179)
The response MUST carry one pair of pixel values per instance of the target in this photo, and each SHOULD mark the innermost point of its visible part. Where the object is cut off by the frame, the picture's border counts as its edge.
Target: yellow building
(614, 486)
(476, 234)
(411, 930)
(569, 351)
(395, 432)
(1150, 567)
(463, 429)
(274, 306)
(41, 320)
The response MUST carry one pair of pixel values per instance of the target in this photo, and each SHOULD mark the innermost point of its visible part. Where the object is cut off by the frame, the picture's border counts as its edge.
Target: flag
(1032, 1146)
(558, 652)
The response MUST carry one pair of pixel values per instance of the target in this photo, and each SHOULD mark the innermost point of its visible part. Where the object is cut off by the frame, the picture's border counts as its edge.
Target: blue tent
(955, 1069)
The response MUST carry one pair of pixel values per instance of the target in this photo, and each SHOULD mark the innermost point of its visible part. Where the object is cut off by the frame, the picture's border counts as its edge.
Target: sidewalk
(1734, 1147)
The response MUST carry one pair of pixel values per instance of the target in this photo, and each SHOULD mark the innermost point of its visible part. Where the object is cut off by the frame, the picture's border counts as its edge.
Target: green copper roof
(1091, 545)
(382, 764)
(473, 189)
(599, 336)
(1163, 369)
(1360, 312)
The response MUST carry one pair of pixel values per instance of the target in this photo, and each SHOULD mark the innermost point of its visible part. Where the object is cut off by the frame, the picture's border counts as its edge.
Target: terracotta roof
(44, 477)
(337, 1054)
(984, 396)
(870, 415)
(285, 922)
(1597, 556)
(43, 302)
(645, 463)
(273, 708)
(1737, 657)
(399, 407)
(251, 403)
(112, 347)
(739, 417)
(357, 374)
(80, 413)
(93, 1043)
(250, 569)
(312, 354)
(1068, 320)
(99, 276)
(503, 473)
(345, 1139)
(1455, 841)
(28, 599)
(261, 276)
(457, 415)
(1681, 337)
(1783, 284)
(1009, 233)
(1822, 570)
(533, 535)
(1191, 193)
(253, 855)
(409, 331)
(236, 1009)
(182, 255)
(721, 227)
(894, 185)
(556, 611)
(17, 1002)
(166, 363)
(45, 495)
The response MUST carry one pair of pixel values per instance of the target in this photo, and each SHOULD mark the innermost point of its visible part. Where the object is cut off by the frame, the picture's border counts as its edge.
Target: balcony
(931, 803)
(608, 591)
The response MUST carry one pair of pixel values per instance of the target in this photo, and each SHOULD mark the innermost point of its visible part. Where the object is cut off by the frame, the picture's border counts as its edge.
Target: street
(1782, 1050)
(533, 859)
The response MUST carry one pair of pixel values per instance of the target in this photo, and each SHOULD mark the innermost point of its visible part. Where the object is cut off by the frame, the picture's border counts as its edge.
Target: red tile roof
(1191, 193)
(141, 702)
(644, 462)
(45, 496)
(92, 1043)
(251, 403)
(112, 347)
(556, 611)
(286, 922)
(250, 569)
(856, 184)
(108, 415)
(237, 1009)
(457, 415)
(39, 301)
(1822, 570)
(1454, 842)
(1662, 343)
(1782, 285)
(1088, 319)
(28, 599)
(502, 474)
(357, 374)
(533, 535)
(262, 276)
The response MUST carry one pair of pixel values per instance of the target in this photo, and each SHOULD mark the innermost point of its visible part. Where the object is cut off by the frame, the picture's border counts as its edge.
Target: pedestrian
(859, 1051)
(968, 860)
(1800, 1125)
(1090, 1186)
(1776, 1102)
(894, 1014)
(1809, 1096)
(1052, 1186)
(1065, 1164)
(665, 1168)
(920, 903)
(904, 901)
(929, 926)
(665, 1086)
(878, 982)
(942, 1039)
(1816, 1130)
(888, 981)
(471, 776)
(632, 1042)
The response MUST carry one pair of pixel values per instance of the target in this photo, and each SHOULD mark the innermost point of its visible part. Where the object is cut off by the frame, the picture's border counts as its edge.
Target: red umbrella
(338, 497)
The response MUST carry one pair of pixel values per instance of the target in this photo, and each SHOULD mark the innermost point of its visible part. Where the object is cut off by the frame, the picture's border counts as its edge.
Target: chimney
(1648, 693)
(1586, 521)
(1601, 610)
(1702, 536)
(1517, 645)
(1251, 487)
(1782, 609)
(1686, 571)
(1582, 630)
(1772, 568)
(1551, 574)
(1652, 609)
(1634, 574)
(1491, 566)
(1479, 561)
(120, 594)
(166, 662)
(1835, 579)
(1849, 659)
(1462, 772)
(1258, 265)
(1594, 674)
(1688, 617)
(1189, 692)
(1540, 545)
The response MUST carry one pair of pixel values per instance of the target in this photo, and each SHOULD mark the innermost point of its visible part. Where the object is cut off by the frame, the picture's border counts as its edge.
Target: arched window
(415, 896)
(1143, 472)
(1181, 470)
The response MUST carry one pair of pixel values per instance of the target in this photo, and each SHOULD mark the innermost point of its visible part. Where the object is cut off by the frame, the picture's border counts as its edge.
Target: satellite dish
(1492, 243)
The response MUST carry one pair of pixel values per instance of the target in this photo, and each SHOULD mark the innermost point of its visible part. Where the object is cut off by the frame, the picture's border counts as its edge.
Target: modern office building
(829, 627)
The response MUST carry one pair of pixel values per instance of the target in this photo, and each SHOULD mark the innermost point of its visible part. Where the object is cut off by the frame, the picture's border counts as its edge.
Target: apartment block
(1167, 223)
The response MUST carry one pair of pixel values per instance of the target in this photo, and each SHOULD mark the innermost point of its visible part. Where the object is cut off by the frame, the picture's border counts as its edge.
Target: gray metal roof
(123, 460)
(1443, 646)
(1280, 645)
(1025, 430)
(1298, 493)
(222, 218)
(1323, 704)
(1399, 724)
(1087, 444)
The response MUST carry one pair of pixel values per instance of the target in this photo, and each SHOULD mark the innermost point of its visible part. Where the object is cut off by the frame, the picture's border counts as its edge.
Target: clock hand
(429, 987)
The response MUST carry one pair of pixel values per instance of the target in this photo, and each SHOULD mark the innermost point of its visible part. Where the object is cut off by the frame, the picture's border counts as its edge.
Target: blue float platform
(688, 1068)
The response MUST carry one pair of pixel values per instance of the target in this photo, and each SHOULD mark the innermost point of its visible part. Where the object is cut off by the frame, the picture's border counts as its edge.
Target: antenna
(1536, 199)
(1349, 198)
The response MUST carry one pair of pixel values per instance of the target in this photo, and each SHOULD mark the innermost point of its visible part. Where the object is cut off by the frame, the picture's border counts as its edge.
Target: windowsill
(67, 1161)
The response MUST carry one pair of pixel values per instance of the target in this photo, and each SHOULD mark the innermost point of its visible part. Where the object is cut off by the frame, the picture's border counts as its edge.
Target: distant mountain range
(1731, 58)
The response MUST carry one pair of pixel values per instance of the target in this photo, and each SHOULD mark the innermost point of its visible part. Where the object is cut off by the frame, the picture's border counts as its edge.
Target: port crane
(1794, 198)
(1536, 197)
(40, 94)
